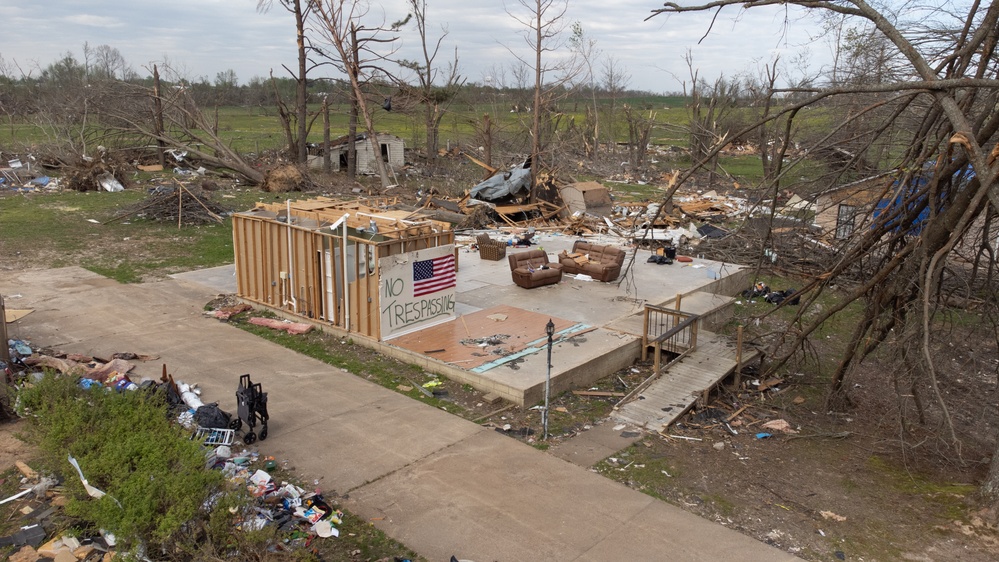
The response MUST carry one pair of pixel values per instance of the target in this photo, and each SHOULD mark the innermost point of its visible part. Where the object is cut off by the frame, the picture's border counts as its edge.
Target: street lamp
(550, 330)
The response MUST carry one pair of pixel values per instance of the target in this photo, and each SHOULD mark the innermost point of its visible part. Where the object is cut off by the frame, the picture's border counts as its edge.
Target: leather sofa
(532, 269)
(602, 263)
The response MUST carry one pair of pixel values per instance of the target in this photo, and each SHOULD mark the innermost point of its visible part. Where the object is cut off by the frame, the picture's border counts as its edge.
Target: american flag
(430, 276)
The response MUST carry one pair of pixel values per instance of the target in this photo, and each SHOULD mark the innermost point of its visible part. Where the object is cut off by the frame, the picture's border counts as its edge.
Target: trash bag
(759, 290)
(170, 394)
(778, 297)
(212, 417)
(794, 301)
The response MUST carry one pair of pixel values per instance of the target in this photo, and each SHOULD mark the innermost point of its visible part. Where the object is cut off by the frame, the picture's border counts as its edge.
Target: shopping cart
(251, 407)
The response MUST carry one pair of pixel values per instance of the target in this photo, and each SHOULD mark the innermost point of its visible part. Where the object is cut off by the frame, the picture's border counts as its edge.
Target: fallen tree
(931, 237)
(172, 120)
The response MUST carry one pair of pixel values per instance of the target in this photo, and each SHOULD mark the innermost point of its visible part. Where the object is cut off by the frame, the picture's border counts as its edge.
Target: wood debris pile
(97, 175)
(472, 214)
(710, 206)
(792, 247)
(579, 209)
(185, 205)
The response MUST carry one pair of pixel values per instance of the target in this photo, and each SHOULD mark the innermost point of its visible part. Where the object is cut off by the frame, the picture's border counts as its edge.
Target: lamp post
(550, 330)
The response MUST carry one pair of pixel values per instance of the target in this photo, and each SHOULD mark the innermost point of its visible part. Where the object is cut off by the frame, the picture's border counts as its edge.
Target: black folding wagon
(251, 407)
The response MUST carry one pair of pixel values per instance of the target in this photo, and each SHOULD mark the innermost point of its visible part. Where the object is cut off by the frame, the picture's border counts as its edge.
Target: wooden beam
(596, 393)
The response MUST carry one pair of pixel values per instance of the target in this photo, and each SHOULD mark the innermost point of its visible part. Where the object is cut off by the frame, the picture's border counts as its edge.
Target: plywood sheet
(13, 314)
(477, 339)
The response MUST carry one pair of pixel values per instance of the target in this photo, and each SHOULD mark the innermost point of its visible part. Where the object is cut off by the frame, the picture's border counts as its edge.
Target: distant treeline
(23, 92)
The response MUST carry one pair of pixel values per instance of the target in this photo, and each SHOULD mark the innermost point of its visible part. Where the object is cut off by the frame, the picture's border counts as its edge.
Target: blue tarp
(905, 201)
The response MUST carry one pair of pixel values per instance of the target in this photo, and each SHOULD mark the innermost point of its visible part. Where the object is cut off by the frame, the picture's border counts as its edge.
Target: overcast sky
(204, 37)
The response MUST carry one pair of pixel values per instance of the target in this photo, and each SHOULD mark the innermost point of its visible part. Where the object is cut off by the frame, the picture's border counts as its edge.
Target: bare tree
(298, 143)
(354, 53)
(104, 62)
(226, 87)
(708, 107)
(63, 104)
(434, 98)
(639, 133)
(940, 201)
(545, 22)
(772, 137)
(520, 74)
(587, 51)
(615, 80)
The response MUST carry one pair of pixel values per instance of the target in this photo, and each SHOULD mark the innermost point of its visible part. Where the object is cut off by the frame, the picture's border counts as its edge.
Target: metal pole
(5, 349)
(550, 330)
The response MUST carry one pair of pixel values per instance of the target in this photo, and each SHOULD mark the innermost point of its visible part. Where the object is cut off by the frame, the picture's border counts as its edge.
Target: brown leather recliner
(602, 263)
(532, 269)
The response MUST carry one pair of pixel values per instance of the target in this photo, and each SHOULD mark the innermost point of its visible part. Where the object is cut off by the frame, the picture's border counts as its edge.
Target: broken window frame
(845, 218)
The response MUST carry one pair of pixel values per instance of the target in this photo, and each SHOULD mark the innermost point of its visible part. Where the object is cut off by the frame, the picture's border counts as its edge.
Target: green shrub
(153, 473)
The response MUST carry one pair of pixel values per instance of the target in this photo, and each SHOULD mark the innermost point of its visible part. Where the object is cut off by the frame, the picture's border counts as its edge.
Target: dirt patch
(12, 449)
(829, 491)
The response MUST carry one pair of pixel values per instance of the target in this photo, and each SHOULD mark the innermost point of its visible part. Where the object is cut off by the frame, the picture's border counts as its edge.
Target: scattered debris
(779, 425)
(293, 328)
(673, 436)
(600, 393)
(187, 205)
(495, 339)
(96, 174)
(832, 516)
(228, 312)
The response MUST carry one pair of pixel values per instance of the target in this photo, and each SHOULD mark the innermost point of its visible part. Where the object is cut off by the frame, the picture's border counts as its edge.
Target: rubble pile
(180, 203)
(791, 246)
(97, 174)
(711, 207)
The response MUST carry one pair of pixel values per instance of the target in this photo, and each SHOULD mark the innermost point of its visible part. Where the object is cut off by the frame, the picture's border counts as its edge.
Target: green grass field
(254, 130)
(80, 228)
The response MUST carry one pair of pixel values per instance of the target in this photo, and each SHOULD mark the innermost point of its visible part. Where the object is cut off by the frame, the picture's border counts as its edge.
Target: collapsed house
(347, 264)
(391, 151)
(839, 211)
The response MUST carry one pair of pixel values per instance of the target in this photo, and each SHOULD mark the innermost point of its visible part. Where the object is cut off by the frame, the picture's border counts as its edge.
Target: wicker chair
(489, 249)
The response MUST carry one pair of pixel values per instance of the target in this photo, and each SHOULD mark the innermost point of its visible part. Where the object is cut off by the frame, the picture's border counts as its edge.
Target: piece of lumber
(493, 413)
(596, 393)
(736, 413)
(26, 470)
